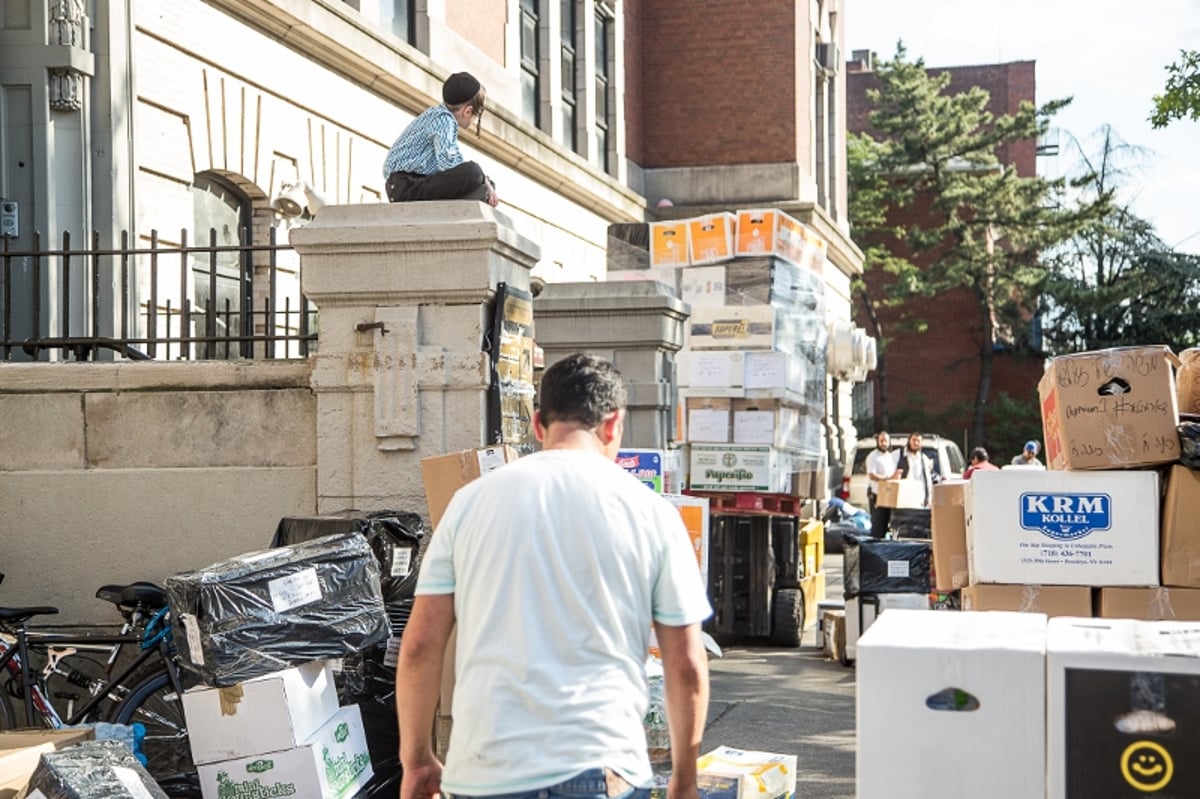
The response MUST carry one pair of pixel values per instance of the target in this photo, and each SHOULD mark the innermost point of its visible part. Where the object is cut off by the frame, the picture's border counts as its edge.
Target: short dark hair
(979, 453)
(580, 388)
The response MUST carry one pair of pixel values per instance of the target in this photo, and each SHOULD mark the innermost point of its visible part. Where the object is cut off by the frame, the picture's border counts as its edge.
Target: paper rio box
(334, 762)
(739, 468)
(1031, 526)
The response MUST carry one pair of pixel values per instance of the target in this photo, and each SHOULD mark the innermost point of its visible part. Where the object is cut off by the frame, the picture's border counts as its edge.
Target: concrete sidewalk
(791, 701)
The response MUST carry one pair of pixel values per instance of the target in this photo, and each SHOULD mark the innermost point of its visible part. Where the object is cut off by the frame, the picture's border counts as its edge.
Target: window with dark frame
(603, 29)
(569, 101)
(530, 63)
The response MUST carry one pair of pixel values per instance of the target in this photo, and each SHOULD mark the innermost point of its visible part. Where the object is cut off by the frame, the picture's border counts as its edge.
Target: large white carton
(276, 711)
(739, 774)
(716, 467)
(1121, 699)
(951, 704)
(1034, 526)
(333, 763)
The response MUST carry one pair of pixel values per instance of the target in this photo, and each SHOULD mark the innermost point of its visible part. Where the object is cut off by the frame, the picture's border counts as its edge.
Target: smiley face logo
(1147, 766)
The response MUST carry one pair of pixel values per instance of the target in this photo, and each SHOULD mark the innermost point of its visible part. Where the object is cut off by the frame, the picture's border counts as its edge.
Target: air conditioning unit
(828, 57)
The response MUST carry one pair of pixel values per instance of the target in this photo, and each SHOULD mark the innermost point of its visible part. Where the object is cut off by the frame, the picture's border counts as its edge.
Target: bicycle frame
(16, 660)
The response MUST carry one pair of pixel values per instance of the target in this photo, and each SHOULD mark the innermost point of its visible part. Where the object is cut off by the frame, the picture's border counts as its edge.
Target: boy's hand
(491, 199)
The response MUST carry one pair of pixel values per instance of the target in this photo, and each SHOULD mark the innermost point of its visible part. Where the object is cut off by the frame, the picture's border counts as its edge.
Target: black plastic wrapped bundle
(882, 566)
(269, 610)
(92, 770)
(395, 538)
(1189, 443)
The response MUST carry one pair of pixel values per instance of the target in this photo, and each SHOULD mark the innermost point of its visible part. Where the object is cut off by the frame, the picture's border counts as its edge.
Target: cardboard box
(1121, 701)
(695, 514)
(861, 615)
(1149, 604)
(757, 231)
(1110, 409)
(812, 546)
(21, 750)
(743, 327)
(779, 370)
(266, 714)
(1049, 600)
(710, 238)
(717, 369)
(790, 238)
(669, 243)
(901, 494)
(702, 286)
(951, 704)
(445, 474)
(1180, 532)
(661, 470)
(1033, 526)
(730, 773)
(739, 468)
(333, 762)
(948, 526)
(708, 420)
(812, 586)
(1188, 381)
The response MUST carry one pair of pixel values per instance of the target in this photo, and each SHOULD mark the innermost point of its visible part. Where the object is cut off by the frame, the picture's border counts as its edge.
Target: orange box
(815, 249)
(790, 239)
(757, 231)
(669, 243)
(710, 238)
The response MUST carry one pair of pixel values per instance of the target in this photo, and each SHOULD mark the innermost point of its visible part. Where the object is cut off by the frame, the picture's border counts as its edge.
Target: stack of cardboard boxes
(752, 373)
(1091, 535)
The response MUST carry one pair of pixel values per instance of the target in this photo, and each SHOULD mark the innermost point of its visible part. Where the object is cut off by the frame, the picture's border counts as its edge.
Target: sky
(1109, 55)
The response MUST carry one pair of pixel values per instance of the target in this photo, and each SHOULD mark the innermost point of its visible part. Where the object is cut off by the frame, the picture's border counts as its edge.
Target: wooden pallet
(750, 502)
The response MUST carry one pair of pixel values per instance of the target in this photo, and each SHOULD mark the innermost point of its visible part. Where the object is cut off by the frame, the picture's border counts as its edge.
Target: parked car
(948, 463)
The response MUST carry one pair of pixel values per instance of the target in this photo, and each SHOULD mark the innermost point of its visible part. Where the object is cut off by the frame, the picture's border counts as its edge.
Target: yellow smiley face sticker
(1147, 766)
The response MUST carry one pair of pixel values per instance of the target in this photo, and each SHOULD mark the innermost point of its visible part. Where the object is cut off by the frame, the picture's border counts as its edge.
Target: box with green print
(333, 763)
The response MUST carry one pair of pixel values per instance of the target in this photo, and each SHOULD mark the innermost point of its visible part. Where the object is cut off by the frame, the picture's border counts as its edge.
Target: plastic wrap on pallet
(269, 610)
(881, 566)
(92, 770)
(1189, 444)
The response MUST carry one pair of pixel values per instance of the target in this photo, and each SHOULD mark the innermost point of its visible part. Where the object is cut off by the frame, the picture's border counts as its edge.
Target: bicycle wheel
(156, 705)
(8, 719)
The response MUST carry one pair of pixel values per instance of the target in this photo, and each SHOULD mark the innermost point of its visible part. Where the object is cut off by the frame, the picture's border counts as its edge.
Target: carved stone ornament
(66, 89)
(66, 22)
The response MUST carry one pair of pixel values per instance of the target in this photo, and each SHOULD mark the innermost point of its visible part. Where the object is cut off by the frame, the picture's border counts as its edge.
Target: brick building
(932, 376)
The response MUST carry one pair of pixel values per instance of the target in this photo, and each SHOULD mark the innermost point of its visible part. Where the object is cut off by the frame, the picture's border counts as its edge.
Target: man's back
(556, 563)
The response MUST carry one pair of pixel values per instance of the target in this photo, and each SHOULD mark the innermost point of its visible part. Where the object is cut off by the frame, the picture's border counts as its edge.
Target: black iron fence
(157, 301)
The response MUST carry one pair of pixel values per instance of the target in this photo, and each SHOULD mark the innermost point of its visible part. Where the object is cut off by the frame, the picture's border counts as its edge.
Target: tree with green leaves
(1181, 95)
(1116, 283)
(985, 227)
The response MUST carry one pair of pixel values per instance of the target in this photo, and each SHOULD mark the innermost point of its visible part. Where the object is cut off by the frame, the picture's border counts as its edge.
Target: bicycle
(147, 690)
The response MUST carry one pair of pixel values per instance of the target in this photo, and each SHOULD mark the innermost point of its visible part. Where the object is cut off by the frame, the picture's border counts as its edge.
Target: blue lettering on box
(1066, 517)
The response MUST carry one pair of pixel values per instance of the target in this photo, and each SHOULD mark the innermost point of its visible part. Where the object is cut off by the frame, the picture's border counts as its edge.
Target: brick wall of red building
(715, 82)
(931, 371)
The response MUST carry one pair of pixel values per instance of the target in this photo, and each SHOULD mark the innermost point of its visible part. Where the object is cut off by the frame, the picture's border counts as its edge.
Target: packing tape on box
(230, 697)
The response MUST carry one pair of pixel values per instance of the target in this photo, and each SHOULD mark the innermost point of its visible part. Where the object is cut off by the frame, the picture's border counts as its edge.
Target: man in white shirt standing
(881, 465)
(554, 569)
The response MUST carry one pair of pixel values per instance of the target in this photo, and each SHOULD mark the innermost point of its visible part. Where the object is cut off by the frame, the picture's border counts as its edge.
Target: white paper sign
(490, 459)
(391, 656)
(897, 568)
(703, 286)
(708, 425)
(294, 590)
(401, 561)
(715, 368)
(191, 628)
(766, 370)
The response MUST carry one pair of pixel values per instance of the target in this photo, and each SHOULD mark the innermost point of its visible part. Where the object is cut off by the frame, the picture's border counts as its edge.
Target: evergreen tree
(986, 226)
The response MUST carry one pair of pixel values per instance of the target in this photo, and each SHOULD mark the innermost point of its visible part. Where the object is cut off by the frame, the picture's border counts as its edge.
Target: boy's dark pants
(463, 182)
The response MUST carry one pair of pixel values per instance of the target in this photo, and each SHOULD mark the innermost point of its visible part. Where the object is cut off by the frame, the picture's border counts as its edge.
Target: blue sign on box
(644, 464)
(1066, 517)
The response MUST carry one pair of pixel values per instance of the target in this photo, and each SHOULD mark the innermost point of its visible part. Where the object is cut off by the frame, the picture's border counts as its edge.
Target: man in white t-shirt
(881, 465)
(554, 569)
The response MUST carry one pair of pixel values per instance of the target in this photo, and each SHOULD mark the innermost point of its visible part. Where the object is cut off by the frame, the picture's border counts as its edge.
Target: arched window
(222, 280)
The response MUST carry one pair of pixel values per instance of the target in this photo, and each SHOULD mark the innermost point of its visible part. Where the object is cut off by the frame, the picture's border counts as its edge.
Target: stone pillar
(638, 325)
(405, 293)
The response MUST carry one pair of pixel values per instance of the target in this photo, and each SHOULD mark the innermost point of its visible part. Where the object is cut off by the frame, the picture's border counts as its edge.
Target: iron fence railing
(156, 301)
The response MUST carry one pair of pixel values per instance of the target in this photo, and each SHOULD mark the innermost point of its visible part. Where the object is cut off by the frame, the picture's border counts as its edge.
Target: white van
(948, 463)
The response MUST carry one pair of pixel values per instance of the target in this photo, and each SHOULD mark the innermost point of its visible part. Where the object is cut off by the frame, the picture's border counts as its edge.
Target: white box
(754, 775)
(1121, 700)
(708, 425)
(952, 704)
(333, 763)
(713, 368)
(702, 286)
(1034, 526)
(775, 370)
(860, 614)
(266, 714)
(739, 327)
(739, 468)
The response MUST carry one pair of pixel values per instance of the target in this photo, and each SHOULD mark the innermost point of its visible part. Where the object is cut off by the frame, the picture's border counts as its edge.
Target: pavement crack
(724, 712)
